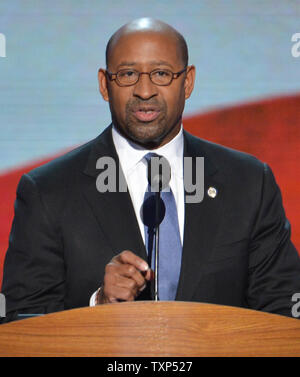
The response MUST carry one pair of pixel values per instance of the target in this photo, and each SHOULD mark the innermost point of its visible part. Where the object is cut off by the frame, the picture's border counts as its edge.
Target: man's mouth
(146, 114)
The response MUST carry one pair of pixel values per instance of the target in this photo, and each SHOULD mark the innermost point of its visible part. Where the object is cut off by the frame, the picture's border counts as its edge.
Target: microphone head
(159, 173)
(148, 212)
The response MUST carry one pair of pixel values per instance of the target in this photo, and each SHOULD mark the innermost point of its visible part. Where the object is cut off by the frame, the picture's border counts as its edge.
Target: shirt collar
(130, 153)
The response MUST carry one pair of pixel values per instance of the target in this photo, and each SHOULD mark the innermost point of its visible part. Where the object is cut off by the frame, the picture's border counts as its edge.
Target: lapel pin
(212, 192)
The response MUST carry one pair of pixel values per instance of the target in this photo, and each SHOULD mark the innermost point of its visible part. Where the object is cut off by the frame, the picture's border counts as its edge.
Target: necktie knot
(159, 171)
(149, 155)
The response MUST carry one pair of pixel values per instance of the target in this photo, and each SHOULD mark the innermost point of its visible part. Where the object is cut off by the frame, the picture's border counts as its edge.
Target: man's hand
(126, 275)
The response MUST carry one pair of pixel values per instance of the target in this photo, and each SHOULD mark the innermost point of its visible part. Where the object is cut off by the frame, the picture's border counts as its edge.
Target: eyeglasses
(128, 77)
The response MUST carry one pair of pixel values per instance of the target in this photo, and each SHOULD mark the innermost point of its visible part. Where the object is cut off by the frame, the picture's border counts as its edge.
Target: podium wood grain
(153, 329)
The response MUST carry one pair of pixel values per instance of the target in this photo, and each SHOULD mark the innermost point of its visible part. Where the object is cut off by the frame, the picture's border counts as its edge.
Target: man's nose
(145, 88)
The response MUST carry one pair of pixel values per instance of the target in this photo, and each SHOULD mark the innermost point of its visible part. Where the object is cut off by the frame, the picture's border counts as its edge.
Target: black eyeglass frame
(175, 75)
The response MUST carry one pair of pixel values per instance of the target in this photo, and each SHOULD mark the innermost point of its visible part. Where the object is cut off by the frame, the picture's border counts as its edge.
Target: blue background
(49, 96)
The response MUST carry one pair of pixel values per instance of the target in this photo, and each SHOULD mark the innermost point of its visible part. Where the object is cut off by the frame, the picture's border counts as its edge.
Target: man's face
(146, 113)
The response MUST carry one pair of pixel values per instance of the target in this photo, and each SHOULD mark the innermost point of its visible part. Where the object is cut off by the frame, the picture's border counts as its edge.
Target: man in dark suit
(71, 245)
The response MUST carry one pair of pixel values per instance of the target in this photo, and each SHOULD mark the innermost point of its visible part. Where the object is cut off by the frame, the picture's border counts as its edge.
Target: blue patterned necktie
(170, 248)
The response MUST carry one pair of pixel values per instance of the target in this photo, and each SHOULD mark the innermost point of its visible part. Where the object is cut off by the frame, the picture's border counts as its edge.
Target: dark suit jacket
(236, 250)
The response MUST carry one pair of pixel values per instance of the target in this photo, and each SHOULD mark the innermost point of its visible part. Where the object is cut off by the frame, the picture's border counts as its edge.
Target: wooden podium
(150, 328)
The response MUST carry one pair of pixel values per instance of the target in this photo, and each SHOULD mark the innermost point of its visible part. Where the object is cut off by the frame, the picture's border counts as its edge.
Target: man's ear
(189, 81)
(102, 79)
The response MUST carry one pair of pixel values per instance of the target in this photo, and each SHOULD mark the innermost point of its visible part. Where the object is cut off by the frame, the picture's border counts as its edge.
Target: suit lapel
(113, 210)
(202, 221)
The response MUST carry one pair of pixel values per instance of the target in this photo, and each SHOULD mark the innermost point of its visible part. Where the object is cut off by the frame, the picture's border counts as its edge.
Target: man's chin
(146, 136)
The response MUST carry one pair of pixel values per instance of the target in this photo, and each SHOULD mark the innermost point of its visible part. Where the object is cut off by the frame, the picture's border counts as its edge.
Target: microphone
(159, 175)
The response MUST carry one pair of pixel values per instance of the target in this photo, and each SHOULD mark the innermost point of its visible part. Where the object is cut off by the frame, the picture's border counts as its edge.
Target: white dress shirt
(134, 166)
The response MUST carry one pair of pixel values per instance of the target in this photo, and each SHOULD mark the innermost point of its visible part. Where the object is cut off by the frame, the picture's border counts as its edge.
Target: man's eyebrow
(130, 64)
(153, 63)
(161, 62)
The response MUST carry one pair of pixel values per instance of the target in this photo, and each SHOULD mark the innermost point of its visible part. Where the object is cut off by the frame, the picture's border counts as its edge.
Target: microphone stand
(156, 247)
(158, 182)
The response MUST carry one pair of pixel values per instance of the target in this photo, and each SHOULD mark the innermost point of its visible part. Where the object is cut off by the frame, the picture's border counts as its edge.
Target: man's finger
(129, 271)
(129, 284)
(128, 257)
(117, 293)
(148, 275)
